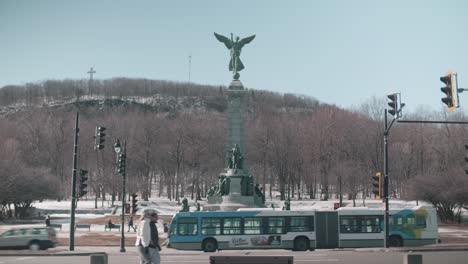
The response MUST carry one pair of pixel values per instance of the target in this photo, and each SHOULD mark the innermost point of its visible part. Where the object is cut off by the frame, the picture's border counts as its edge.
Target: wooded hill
(175, 135)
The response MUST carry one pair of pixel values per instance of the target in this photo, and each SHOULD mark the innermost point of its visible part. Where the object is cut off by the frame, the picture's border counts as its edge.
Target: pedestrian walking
(47, 220)
(147, 239)
(130, 224)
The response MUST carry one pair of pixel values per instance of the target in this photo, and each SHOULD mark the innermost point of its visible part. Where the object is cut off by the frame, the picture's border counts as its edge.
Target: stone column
(235, 118)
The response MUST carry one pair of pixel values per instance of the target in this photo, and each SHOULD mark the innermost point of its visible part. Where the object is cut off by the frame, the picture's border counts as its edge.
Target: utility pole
(341, 191)
(189, 66)
(73, 190)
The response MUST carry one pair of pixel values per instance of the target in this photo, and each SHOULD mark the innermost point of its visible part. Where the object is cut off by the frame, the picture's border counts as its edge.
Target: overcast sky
(340, 52)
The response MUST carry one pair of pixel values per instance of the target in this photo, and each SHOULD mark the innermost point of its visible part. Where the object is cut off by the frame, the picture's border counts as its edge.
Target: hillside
(151, 95)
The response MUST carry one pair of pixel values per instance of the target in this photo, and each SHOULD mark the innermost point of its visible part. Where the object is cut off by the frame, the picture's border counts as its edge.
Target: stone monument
(234, 188)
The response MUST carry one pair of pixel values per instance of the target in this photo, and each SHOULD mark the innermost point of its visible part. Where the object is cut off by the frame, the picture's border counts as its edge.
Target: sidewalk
(88, 250)
(435, 247)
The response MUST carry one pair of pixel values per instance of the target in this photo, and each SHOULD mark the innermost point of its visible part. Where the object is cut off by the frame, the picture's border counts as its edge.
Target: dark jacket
(154, 243)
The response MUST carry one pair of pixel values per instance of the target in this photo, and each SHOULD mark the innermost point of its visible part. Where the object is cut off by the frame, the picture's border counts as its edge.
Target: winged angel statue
(235, 46)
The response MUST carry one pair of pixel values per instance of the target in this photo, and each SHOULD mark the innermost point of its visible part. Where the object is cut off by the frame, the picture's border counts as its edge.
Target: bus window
(398, 220)
(421, 221)
(410, 220)
(252, 225)
(299, 224)
(211, 226)
(173, 228)
(360, 224)
(187, 226)
(276, 225)
(348, 224)
(232, 226)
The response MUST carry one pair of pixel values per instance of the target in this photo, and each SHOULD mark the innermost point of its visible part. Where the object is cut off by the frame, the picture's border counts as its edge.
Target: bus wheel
(301, 244)
(209, 245)
(395, 241)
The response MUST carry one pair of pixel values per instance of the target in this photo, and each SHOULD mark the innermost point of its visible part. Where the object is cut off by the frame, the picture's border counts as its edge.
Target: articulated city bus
(301, 230)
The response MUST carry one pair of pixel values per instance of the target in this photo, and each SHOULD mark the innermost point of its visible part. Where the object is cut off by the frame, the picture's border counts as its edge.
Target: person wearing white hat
(147, 239)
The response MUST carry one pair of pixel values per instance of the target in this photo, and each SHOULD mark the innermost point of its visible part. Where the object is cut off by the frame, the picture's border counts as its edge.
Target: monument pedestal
(235, 198)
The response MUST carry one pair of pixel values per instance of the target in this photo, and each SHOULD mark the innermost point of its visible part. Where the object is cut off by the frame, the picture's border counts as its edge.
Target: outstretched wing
(224, 40)
(246, 40)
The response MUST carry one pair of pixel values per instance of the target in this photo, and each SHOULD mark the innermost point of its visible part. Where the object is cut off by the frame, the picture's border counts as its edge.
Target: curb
(433, 249)
(57, 254)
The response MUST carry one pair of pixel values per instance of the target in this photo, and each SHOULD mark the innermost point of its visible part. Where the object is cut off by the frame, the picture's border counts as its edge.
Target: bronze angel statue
(235, 46)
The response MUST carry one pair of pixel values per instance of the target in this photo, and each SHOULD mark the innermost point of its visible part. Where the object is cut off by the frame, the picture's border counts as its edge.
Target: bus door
(326, 229)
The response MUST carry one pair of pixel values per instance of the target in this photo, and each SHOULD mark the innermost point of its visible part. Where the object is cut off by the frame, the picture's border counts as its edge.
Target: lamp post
(121, 170)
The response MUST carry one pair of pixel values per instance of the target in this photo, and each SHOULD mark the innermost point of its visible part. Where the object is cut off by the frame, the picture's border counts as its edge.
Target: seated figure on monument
(259, 192)
(222, 185)
(211, 191)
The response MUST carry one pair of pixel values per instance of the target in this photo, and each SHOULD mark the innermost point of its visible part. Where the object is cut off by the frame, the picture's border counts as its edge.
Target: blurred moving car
(30, 238)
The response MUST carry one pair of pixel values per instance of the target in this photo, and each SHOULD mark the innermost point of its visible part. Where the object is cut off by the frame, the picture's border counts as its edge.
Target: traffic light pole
(73, 190)
(385, 185)
(433, 122)
(122, 233)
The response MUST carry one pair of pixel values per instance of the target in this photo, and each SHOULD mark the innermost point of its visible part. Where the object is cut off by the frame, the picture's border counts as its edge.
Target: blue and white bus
(259, 229)
(301, 230)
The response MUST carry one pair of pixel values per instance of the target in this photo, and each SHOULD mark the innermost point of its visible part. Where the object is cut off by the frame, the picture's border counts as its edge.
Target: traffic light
(448, 90)
(99, 144)
(122, 163)
(83, 185)
(134, 203)
(377, 185)
(395, 105)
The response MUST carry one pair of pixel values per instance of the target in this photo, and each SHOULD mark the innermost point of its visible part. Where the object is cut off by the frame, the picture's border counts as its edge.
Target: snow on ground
(326, 205)
(165, 206)
(62, 205)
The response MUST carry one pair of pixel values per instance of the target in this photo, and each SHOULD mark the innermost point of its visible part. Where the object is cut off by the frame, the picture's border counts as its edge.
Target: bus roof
(255, 209)
(243, 213)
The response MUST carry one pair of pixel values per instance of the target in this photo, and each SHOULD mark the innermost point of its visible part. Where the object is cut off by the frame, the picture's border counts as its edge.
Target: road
(319, 256)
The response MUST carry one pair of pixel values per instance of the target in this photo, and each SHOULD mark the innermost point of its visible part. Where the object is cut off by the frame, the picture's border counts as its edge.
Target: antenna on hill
(91, 72)
(189, 66)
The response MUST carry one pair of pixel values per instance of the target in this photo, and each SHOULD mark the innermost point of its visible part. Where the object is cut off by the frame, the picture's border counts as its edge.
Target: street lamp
(118, 150)
(117, 147)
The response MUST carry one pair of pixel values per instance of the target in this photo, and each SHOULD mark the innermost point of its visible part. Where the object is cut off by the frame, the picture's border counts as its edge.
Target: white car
(30, 238)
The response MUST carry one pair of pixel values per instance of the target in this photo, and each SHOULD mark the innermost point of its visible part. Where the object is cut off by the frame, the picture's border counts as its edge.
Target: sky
(341, 52)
